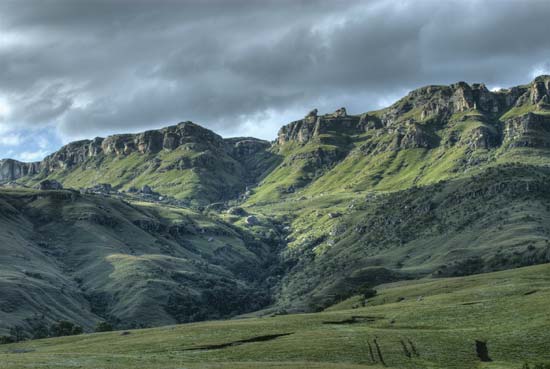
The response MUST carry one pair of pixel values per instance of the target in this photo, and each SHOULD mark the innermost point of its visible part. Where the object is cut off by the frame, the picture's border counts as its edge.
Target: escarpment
(11, 170)
(186, 159)
(413, 120)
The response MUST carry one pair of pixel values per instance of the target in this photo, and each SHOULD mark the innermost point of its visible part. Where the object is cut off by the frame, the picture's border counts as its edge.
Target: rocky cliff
(425, 105)
(187, 158)
(11, 170)
(206, 162)
(149, 142)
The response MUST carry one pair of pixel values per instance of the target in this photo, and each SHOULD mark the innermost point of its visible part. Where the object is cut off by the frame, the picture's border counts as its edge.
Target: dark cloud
(87, 68)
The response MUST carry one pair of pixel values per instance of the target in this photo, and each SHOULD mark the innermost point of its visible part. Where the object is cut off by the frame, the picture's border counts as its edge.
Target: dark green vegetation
(449, 181)
(416, 324)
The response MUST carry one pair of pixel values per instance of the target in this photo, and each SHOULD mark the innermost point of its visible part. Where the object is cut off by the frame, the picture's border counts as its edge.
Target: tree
(65, 328)
(6, 339)
(18, 333)
(369, 293)
(39, 331)
(103, 327)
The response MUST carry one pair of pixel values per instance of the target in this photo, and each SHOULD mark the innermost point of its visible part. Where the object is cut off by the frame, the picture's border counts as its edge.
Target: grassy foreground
(415, 324)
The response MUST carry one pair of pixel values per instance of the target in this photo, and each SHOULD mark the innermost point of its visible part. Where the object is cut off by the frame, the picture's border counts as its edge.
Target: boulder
(101, 188)
(237, 211)
(340, 113)
(312, 113)
(147, 190)
(251, 220)
(49, 185)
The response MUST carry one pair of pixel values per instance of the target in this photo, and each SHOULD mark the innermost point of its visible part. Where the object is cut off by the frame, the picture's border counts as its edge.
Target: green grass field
(431, 323)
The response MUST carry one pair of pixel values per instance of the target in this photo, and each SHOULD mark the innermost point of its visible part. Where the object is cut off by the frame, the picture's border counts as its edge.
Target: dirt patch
(413, 348)
(371, 352)
(20, 351)
(220, 346)
(379, 352)
(356, 319)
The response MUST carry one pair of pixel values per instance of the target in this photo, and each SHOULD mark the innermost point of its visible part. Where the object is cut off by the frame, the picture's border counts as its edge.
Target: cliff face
(188, 134)
(185, 161)
(150, 142)
(437, 106)
(11, 170)
(314, 125)
(529, 130)
(169, 138)
(431, 117)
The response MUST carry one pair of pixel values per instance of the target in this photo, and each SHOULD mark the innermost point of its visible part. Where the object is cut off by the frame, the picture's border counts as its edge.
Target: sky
(74, 69)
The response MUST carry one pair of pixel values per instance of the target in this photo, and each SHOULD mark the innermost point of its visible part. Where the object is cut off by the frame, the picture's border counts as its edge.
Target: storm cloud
(75, 69)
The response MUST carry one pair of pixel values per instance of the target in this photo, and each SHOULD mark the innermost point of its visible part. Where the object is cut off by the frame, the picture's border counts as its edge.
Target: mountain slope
(496, 220)
(87, 258)
(432, 134)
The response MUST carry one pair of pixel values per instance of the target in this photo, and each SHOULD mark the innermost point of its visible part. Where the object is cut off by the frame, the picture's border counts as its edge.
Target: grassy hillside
(418, 324)
(339, 243)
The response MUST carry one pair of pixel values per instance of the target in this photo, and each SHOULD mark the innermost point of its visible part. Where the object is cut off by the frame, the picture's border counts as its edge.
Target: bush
(65, 328)
(103, 327)
(39, 331)
(536, 366)
(17, 333)
(4, 340)
(369, 293)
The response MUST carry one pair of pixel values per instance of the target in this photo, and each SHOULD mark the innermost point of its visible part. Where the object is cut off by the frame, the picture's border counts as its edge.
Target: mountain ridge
(413, 108)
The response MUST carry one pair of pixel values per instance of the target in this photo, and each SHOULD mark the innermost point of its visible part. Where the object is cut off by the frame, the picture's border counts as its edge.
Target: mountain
(434, 133)
(186, 161)
(448, 181)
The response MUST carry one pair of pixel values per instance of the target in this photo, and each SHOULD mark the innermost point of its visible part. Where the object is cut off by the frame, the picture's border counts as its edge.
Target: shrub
(4, 340)
(103, 327)
(39, 331)
(17, 333)
(369, 293)
(65, 328)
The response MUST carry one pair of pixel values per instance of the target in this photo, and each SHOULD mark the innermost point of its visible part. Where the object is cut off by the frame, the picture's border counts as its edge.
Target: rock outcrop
(529, 130)
(313, 125)
(244, 147)
(49, 185)
(150, 142)
(408, 121)
(11, 170)
(412, 122)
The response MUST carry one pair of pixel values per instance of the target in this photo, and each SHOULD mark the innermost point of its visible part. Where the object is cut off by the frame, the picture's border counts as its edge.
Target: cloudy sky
(72, 69)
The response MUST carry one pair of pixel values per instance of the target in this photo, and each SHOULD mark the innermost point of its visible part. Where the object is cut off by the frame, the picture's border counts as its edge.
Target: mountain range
(179, 224)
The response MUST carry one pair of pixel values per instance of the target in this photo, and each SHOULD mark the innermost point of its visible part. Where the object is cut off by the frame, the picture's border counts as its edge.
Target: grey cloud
(103, 66)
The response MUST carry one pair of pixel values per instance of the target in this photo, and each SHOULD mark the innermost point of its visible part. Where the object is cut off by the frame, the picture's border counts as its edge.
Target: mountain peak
(541, 78)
